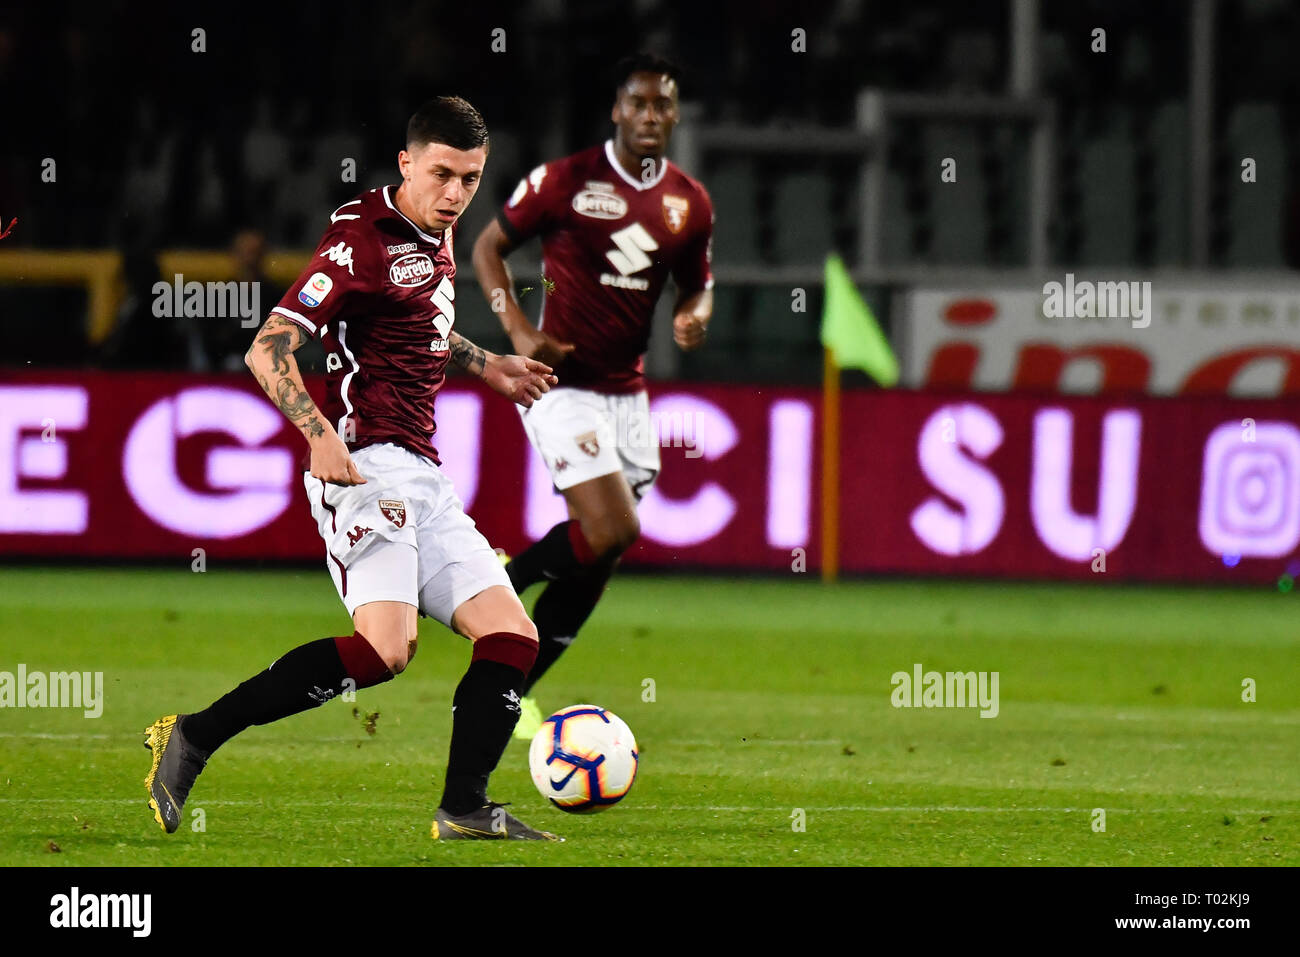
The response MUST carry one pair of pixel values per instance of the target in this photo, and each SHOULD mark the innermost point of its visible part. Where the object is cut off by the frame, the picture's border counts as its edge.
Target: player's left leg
(604, 519)
(465, 587)
(604, 511)
(484, 711)
(574, 431)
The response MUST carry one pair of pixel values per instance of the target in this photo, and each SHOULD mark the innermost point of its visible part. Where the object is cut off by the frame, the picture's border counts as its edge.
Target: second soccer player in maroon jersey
(615, 221)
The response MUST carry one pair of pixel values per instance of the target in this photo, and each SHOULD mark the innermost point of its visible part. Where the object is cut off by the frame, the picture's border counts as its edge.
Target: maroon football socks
(301, 679)
(559, 553)
(484, 712)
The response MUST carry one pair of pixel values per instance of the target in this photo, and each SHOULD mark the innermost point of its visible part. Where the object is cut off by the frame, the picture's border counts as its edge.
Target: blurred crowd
(233, 126)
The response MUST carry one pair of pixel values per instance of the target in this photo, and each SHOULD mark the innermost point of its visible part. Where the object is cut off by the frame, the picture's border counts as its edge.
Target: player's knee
(395, 658)
(525, 627)
(613, 537)
(519, 624)
(396, 649)
(623, 534)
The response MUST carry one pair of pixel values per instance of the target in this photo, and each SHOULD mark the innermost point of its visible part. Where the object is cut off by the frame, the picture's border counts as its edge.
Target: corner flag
(850, 331)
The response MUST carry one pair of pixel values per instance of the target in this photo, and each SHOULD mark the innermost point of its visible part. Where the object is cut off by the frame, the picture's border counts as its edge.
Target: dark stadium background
(162, 148)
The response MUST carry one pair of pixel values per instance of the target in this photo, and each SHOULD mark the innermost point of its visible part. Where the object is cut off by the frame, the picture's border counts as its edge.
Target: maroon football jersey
(609, 242)
(379, 293)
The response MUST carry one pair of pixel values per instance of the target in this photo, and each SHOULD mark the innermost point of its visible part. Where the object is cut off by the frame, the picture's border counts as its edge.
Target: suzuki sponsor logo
(413, 270)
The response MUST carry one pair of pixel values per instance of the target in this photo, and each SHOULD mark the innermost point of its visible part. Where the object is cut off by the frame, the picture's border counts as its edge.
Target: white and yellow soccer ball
(583, 759)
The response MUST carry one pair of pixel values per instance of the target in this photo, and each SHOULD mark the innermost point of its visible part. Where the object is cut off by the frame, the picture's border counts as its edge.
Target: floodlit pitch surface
(771, 708)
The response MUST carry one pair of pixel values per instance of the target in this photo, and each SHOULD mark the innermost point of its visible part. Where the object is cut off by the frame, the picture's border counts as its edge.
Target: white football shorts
(403, 536)
(582, 435)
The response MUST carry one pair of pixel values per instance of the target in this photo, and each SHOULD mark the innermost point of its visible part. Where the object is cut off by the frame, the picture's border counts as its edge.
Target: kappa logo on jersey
(403, 248)
(534, 178)
(599, 201)
(588, 443)
(357, 533)
(676, 209)
(561, 464)
(341, 254)
(414, 270)
(394, 511)
(316, 289)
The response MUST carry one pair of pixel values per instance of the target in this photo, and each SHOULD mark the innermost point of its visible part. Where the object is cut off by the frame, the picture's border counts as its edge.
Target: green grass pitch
(770, 697)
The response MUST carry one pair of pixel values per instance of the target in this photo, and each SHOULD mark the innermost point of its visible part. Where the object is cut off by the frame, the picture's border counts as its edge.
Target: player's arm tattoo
(280, 337)
(276, 342)
(467, 355)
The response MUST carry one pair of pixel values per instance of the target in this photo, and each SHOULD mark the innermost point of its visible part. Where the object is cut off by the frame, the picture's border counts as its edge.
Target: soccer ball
(583, 759)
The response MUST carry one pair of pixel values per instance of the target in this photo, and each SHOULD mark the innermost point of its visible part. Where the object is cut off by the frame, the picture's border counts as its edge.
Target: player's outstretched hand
(532, 342)
(519, 379)
(688, 331)
(330, 461)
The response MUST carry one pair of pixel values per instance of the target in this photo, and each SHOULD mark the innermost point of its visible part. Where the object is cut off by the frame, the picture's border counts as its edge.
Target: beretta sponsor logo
(599, 201)
(414, 270)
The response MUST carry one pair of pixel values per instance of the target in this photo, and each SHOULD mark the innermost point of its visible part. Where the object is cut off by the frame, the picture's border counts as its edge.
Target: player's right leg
(306, 677)
(377, 580)
(604, 517)
(299, 680)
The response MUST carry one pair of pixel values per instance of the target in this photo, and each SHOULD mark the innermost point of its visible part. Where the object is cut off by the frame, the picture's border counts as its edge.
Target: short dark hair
(447, 119)
(643, 63)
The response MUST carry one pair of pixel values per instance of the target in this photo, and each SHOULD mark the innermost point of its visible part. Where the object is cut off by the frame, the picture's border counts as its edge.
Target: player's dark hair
(644, 63)
(449, 120)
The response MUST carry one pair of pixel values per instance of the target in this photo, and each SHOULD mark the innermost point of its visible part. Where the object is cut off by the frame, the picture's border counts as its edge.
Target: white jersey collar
(436, 240)
(632, 180)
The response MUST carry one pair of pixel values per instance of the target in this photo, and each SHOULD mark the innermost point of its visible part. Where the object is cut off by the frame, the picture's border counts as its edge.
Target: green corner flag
(850, 331)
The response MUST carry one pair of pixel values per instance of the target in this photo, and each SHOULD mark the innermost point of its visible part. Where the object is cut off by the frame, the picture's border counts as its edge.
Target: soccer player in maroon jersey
(615, 221)
(379, 293)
